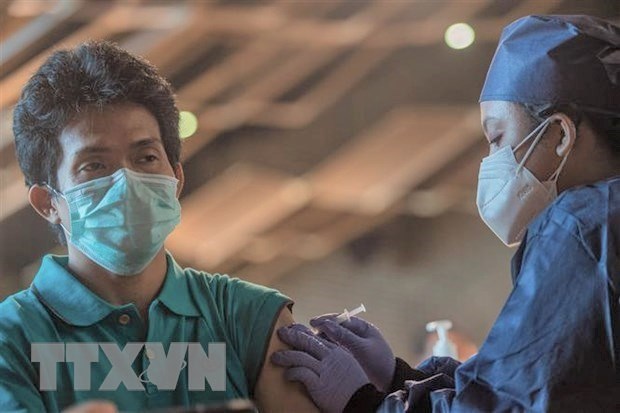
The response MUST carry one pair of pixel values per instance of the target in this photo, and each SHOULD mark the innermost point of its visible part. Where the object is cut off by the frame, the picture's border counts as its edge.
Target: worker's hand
(330, 373)
(365, 342)
(98, 406)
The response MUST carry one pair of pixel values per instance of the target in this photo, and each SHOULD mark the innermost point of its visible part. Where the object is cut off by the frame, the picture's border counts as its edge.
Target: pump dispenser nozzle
(444, 347)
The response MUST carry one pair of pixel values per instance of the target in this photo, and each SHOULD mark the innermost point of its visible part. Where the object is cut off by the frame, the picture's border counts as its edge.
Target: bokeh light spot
(460, 36)
(188, 124)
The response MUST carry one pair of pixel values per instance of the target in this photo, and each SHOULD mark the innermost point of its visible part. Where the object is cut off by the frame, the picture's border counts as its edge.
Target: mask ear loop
(62, 196)
(556, 175)
(538, 132)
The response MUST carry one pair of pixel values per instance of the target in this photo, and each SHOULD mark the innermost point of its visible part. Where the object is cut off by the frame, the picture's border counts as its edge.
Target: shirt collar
(65, 296)
(70, 300)
(175, 293)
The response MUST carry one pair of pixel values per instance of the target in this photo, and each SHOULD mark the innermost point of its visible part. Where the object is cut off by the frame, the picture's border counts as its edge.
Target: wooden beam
(250, 105)
(222, 76)
(180, 40)
(305, 110)
(299, 248)
(454, 187)
(343, 77)
(220, 218)
(406, 148)
(276, 240)
(432, 30)
(117, 19)
(36, 31)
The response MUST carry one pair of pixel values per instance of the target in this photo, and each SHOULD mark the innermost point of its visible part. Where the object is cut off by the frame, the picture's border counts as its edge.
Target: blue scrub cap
(557, 60)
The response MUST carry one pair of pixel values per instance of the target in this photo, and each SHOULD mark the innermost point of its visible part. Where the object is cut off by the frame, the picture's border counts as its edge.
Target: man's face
(100, 142)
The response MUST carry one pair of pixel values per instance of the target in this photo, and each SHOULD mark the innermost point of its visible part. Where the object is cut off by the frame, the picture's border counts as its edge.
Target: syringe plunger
(346, 315)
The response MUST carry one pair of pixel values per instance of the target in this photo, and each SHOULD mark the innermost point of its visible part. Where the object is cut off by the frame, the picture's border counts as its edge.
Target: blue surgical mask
(121, 221)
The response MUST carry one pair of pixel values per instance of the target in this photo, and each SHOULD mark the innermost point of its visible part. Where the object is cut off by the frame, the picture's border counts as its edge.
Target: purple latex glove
(365, 342)
(329, 372)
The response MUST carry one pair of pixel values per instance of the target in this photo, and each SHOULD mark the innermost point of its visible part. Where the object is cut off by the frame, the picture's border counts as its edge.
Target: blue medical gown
(555, 344)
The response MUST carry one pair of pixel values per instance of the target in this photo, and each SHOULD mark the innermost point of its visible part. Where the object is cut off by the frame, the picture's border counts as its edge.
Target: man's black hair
(93, 75)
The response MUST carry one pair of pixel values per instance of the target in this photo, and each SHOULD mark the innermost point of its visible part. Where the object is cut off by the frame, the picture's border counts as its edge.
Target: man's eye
(93, 166)
(149, 158)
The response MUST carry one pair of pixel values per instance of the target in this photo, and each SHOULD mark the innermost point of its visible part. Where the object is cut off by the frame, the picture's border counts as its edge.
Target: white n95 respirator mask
(509, 195)
(120, 221)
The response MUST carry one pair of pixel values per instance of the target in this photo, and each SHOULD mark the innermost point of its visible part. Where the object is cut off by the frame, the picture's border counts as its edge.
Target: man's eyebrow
(87, 150)
(146, 142)
(95, 149)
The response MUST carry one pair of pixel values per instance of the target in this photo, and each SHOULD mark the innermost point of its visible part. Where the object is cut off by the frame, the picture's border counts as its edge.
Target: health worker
(550, 185)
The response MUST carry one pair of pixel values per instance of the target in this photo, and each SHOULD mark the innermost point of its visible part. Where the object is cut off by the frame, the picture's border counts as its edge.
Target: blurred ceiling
(319, 121)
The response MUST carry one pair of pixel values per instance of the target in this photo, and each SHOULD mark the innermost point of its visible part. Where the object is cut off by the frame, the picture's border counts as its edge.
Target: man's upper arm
(273, 392)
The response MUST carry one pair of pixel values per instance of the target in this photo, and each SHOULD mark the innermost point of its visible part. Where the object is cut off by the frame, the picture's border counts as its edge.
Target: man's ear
(180, 175)
(569, 133)
(41, 200)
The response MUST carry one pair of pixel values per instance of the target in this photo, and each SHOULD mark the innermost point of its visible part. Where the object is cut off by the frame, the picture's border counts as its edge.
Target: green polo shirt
(192, 307)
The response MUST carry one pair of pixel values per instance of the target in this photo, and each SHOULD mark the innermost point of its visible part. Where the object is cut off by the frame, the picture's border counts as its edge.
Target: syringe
(346, 315)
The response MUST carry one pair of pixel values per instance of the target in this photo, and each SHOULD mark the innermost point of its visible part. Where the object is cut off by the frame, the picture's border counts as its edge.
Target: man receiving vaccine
(117, 319)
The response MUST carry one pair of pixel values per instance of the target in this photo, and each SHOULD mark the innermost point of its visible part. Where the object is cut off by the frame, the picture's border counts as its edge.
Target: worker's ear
(180, 175)
(43, 202)
(568, 131)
